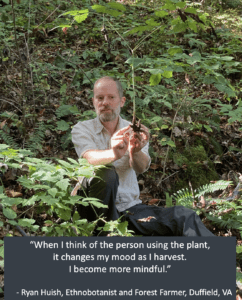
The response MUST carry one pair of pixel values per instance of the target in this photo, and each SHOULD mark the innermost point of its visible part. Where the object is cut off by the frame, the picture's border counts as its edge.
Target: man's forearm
(100, 157)
(139, 162)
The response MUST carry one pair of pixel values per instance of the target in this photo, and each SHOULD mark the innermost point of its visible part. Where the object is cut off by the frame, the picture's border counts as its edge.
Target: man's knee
(181, 210)
(105, 177)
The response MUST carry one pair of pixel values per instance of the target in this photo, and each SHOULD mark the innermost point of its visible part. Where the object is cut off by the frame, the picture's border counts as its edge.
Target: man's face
(106, 100)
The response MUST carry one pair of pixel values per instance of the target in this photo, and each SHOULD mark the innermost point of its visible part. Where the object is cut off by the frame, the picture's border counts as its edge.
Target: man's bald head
(108, 78)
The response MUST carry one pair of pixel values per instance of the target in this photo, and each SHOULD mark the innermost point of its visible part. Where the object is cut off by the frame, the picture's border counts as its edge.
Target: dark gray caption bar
(120, 267)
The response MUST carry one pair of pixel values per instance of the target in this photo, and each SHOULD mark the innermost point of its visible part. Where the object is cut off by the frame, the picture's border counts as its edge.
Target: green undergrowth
(177, 60)
(225, 215)
(46, 186)
(196, 165)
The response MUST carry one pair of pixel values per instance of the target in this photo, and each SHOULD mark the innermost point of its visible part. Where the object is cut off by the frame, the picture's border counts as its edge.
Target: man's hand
(120, 143)
(138, 140)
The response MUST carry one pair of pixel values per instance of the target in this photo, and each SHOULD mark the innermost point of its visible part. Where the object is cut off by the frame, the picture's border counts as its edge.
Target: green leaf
(114, 13)
(30, 201)
(3, 146)
(164, 127)
(49, 200)
(75, 216)
(103, 9)
(135, 61)
(2, 251)
(227, 58)
(181, 4)
(156, 119)
(62, 206)
(73, 200)
(94, 201)
(63, 89)
(155, 79)
(49, 222)
(208, 128)
(62, 26)
(172, 51)
(196, 57)
(226, 89)
(10, 201)
(81, 222)
(76, 12)
(73, 161)
(169, 6)
(171, 143)
(24, 181)
(65, 164)
(180, 27)
(63, 214)
(63, 184)
(116, 5)
(122, 227)
(161, 13)
(1, 224)
(9, 213)
(26, 222)
(59, 231)
(168, 200)
(208, 79)
(81, 18)
(154, 71)
(47, 229)
(191, 10)
(192, 25)
(152, 22)
(12, 222)
(140, 29)
(98, 204)
(62, 125)
(40, 187)
(167, 74)
(34, 227)
(52, 192)
(99, 8)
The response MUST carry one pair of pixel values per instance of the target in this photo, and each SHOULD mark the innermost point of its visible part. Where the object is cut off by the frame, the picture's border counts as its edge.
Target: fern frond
(35, 141)
(212, 187)
(65, 110)
(225, 223)
(66, 140)
(183, 197)
(9, 140)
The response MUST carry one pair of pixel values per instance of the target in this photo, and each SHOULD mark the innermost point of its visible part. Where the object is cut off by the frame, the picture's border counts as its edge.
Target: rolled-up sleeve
(145, 150)
(82, 139)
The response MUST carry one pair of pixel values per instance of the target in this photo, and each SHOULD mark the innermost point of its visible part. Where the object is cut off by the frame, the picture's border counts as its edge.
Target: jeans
(170, 221)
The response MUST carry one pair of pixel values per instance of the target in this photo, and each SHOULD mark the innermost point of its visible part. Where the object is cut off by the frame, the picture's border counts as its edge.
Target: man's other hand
(138, 140)
(120, 143)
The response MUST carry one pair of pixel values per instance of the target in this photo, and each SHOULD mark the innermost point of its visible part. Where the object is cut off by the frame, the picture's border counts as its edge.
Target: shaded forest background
(184, 58)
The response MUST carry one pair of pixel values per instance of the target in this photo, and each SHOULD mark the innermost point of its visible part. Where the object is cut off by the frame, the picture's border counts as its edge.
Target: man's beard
(108, 116)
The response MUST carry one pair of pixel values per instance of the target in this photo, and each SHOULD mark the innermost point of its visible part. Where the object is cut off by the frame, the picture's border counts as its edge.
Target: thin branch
(26, 210)
(11, 104)
(174, 119)
(168, 176)
(48, 16)
(120, 36)
(22, 66)
(141, 41)
(71, 62)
